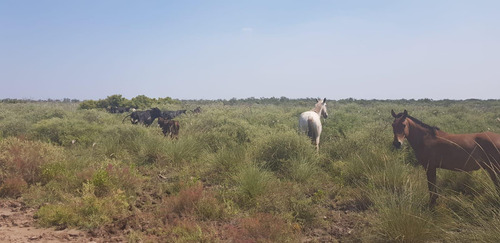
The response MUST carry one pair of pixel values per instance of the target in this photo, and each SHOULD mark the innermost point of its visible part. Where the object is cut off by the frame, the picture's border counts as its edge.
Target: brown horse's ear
(405, 113)
(393, 113)
(324, 100)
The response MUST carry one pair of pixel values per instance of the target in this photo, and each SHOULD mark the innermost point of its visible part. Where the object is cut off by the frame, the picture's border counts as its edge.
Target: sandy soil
(18, 225)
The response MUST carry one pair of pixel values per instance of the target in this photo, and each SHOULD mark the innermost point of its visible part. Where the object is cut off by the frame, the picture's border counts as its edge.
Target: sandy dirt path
(18, 225)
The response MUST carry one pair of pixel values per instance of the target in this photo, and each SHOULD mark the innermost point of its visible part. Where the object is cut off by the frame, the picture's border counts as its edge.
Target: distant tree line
(14, 101)
(307, 101)
(138, 102)
(144, 102)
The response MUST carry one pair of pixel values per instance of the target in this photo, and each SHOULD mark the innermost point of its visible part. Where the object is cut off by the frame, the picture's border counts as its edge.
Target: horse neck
(416, 134)
(317, 109)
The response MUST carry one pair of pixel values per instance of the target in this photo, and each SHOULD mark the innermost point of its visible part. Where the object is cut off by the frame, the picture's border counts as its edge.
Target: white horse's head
(320, 108)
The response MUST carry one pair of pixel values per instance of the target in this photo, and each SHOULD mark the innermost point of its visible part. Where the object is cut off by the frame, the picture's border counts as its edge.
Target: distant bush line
(143, 102)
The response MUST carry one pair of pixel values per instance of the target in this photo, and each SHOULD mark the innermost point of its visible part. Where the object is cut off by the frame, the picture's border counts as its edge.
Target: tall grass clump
(18, 119)
(302, 169)
(398, 193)
(182, 151)
(226, 163)
(478, 215)
(63, 131)
(252, 182)
(133, 144)
(277, 152)
(403, 216)
(220, 129)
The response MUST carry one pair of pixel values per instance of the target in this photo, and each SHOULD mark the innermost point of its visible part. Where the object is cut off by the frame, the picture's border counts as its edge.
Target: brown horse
(169, 127)
(437, 149)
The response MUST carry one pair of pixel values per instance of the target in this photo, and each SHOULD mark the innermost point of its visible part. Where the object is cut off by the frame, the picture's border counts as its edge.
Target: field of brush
(240, 172)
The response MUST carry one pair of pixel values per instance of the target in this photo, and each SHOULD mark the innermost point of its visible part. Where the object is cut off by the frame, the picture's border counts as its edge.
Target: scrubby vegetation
(240, 172)
(139, 102)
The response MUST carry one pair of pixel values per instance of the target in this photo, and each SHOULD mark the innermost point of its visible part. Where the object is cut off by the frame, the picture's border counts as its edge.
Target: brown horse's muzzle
(396, 144)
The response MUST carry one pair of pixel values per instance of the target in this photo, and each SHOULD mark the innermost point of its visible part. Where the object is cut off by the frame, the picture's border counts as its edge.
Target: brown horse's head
(320, 108)
(400, 128)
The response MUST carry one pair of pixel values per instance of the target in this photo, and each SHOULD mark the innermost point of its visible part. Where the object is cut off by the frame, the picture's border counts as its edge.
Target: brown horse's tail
(312, 132)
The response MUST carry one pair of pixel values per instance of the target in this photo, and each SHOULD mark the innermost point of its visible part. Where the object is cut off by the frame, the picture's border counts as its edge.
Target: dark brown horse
(169, 127)
(437, 149)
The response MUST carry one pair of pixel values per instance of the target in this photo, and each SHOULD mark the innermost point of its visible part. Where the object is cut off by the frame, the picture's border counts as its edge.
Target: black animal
(172, 114)
(144, 117)
(197, 110)
(169, 127)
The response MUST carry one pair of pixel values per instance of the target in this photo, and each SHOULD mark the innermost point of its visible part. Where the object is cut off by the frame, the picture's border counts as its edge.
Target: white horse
(310, 123)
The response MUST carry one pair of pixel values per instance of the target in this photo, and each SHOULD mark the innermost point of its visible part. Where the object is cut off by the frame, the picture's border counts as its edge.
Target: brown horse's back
(465, 152)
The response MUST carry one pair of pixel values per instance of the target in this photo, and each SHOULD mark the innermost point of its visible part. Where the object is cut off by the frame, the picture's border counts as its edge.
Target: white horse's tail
(312, 130)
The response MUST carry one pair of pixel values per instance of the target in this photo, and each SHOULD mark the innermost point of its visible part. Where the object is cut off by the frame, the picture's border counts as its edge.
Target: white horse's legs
(317, 138)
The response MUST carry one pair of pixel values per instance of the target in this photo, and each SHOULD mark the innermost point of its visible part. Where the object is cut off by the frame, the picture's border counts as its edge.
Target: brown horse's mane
(432, 129)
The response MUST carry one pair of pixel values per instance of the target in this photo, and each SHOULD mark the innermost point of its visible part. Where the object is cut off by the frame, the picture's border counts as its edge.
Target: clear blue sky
(224, 49)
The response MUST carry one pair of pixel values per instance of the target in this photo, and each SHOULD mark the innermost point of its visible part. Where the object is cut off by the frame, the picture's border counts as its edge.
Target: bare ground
(18, 225)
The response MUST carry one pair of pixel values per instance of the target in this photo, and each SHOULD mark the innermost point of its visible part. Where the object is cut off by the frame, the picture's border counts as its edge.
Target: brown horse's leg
(431, 183)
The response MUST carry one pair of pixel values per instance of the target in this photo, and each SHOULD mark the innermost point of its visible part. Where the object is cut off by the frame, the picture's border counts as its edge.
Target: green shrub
(252, 182)
(226, 162)
(101, 183)
(182, 151)
(88, 211)
(276, 152)
(56, 215)
(88, 104)
(209, 208)
(64, 131)
(133, 144)
(302, 170)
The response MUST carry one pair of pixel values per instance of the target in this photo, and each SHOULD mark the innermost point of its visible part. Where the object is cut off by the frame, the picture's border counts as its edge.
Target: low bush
(225, 163)
(276, 152)
(87, 211)
(251, 183)
(262, 228)
(25, 159)
(13, 187)
(64, 131)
